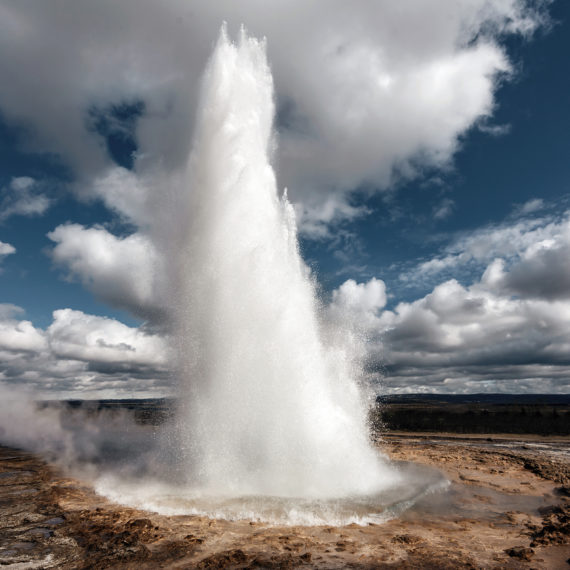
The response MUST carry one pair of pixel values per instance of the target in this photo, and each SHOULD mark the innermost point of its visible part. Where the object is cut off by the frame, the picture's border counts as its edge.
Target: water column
(267, 407)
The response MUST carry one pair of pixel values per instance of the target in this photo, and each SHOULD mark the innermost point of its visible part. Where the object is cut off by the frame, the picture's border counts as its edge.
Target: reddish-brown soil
(507, 507)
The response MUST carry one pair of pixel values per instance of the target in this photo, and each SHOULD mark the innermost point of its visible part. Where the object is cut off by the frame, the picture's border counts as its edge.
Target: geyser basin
(123, 459)
(415, 483)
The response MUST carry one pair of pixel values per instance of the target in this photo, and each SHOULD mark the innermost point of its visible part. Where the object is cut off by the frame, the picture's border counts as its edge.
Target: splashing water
(272, 421)
(268, 408)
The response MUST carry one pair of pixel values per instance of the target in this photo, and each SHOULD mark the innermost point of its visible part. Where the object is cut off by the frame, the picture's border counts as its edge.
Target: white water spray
(268, 408)
(271, 423)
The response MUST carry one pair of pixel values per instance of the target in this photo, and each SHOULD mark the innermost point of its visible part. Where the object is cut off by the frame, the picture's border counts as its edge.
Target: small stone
(520, 552)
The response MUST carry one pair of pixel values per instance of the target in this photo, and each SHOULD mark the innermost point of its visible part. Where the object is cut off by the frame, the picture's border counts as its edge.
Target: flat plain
(507, 506)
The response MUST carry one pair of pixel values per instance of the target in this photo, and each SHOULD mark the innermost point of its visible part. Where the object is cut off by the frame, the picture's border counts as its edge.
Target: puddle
(472, 501)
(414, 482)
(17, 546)
(8, 553)
(15, 474)
(18, 492)
(39, 531)
(55, 521)
(554, 449)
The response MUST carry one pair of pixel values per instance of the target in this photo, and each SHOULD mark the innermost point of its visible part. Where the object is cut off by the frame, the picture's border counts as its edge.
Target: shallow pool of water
(415, 483)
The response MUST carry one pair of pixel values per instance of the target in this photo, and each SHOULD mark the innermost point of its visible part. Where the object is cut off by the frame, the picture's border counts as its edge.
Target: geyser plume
(271, 422)
(267, 407)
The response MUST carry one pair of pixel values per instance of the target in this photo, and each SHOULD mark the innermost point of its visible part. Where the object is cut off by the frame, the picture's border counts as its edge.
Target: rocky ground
(508, 506)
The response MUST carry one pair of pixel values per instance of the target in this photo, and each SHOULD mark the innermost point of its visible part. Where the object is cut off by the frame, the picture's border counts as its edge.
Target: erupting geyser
(268, 408)
(271, 422)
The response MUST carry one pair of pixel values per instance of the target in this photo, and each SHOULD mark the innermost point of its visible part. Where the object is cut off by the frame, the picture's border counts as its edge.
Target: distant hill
(495, 399)
(547, 414)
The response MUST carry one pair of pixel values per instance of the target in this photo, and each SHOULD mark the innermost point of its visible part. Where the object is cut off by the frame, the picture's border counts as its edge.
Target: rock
(520, 552)
(224, 559)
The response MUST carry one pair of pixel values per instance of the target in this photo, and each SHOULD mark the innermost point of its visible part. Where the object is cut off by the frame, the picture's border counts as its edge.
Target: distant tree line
(535, 419)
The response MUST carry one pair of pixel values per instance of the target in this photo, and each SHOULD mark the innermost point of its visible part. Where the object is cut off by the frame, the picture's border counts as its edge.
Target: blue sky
(490, 174)
(426, 151)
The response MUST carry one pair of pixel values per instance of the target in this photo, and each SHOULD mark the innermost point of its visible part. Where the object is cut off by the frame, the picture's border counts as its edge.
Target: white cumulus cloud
(23, 197)
(367, 92)
(121, 271)
(6, 249)
(507, 331)
(18, 335)
(81, 354)
(358, 304)
(74, 335)
(511, 241)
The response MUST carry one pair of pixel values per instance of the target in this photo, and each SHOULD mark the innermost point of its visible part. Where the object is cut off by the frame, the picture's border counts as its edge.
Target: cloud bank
(80, 353)
(508, 331)
(368, 95)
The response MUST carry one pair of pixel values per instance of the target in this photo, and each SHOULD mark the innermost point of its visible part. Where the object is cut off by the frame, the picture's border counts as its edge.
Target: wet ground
(507, 506)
